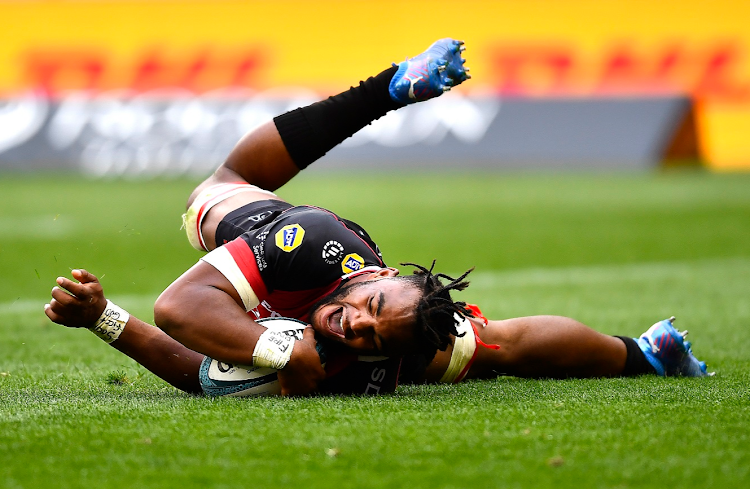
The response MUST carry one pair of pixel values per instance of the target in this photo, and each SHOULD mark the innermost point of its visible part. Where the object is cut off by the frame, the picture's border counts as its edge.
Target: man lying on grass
(268, 258)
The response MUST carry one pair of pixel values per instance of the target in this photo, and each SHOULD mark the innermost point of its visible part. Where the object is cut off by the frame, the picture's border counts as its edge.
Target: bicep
(203, 311)
(198, 287)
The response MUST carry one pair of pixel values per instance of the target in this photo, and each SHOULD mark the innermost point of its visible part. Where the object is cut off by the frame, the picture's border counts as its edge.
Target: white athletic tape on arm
(222, 260)
(273, 350)
(111, 323)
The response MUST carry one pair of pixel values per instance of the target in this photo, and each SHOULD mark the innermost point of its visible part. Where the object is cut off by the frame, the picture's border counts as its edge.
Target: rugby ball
(224, 379)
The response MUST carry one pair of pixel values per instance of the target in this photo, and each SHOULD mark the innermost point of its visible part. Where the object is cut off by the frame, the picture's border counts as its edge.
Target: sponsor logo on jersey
(333, 251)
(352, 262)
(290, 237)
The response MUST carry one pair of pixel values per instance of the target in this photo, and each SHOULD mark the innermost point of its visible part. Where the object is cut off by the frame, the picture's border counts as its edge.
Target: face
(375, 316)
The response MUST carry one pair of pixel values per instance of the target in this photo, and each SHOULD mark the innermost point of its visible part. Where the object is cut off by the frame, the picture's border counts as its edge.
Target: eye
(370, 307)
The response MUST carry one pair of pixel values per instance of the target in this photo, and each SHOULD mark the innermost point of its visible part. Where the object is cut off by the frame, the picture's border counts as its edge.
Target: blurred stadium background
(166, 88)
(163, 89)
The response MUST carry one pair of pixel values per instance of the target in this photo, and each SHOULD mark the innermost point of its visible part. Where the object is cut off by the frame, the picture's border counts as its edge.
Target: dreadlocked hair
(436, 311)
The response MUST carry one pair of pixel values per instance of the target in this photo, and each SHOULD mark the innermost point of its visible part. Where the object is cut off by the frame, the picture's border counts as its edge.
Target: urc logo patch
(290, 237)
(332, 252)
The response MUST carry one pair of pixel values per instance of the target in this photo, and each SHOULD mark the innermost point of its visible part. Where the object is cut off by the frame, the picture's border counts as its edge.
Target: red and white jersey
(283, 259)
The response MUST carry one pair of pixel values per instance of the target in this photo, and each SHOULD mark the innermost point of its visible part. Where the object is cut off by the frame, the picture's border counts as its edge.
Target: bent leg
(272, 154)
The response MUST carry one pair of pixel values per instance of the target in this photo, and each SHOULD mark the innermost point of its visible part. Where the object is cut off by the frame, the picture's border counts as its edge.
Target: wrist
(273, 350)
(111, 322)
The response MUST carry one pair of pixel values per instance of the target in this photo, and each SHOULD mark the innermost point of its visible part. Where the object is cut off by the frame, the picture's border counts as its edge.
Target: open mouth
(334, 322)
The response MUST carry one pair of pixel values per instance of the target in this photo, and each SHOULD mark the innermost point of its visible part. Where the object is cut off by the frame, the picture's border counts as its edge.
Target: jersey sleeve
(237, 262)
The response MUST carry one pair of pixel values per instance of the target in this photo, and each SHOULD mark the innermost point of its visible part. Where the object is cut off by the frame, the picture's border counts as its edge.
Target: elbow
(167, 311)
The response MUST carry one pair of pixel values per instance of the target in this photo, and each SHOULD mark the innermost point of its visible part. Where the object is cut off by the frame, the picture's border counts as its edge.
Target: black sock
(310, 132)
(636, 362)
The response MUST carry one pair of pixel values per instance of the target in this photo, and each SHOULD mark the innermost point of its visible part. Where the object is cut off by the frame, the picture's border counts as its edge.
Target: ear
(386, 273)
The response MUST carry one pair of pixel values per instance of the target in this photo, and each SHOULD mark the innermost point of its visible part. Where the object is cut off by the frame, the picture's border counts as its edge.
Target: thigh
(208, 208)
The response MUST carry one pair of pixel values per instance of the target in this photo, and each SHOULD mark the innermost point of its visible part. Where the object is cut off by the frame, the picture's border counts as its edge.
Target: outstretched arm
(79, 305)
(548, 347)
(560, 347)
(194, 300)
(538, 347)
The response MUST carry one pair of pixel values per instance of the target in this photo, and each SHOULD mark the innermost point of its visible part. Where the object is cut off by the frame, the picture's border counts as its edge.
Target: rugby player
(269, 258)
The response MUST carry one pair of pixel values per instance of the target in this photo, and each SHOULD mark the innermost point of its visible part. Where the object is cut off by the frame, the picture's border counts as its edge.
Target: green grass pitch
(617, 252)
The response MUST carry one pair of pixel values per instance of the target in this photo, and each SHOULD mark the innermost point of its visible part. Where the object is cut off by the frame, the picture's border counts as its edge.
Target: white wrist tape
(273, 350)
(110, 324)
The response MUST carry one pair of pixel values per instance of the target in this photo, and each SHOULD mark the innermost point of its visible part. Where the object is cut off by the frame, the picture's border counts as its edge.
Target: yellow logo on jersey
(352, 262)
(290, 237)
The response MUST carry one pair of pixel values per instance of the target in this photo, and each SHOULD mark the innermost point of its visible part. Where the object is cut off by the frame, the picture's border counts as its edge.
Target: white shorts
(209, 197)
(463, 354)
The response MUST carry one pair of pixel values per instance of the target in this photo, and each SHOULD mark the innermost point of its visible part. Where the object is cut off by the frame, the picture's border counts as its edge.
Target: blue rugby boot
(668, 352)
(430, 74)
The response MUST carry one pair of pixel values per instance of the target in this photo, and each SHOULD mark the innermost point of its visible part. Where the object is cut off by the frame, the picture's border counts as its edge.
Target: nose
(360, 325)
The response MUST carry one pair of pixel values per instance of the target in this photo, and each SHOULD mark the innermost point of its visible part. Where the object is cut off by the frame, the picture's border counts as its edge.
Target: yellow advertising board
(536, 48)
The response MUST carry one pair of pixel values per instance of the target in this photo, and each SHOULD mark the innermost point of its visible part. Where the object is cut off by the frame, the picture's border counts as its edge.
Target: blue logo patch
(290, 237)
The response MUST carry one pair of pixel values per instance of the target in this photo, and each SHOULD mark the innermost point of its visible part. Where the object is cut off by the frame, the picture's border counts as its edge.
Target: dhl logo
(539, 69)
(54, 70)
(709, 71)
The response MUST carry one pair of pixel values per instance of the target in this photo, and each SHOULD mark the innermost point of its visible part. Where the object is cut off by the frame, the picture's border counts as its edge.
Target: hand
(76, 305)
(303, 372)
